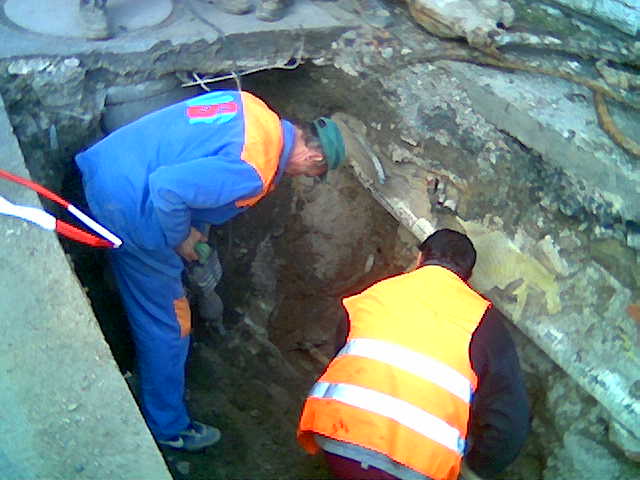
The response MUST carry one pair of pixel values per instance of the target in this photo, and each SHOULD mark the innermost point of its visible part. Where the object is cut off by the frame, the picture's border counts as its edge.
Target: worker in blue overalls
(152, 182)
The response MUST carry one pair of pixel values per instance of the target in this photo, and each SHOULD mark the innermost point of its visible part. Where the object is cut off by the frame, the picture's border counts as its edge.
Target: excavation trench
(281, 310)
(287, 263)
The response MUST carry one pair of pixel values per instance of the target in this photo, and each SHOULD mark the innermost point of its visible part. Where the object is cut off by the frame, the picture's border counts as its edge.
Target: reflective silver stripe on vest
(412, 362)
(402, 412)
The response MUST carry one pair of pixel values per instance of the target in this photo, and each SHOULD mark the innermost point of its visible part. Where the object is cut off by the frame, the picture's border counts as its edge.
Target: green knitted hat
(331, 141)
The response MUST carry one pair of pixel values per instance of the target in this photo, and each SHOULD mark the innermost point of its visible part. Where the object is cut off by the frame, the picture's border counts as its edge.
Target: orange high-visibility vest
(402, 384)
(263, 142)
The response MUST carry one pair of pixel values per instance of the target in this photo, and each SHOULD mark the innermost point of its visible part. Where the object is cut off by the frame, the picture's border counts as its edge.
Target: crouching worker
(152, 182)
(428, 377)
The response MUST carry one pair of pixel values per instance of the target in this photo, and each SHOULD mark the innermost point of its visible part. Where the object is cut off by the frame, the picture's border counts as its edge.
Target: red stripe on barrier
(34, 186)
(81, 236)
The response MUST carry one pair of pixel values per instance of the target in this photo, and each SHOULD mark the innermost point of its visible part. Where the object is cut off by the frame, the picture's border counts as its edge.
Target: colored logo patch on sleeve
(211, 108)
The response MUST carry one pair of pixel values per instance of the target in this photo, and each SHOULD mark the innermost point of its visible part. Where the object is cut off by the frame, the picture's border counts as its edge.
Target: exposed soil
(253, 386)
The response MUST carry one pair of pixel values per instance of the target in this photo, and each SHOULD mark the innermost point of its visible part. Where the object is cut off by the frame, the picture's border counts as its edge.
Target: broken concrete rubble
(513, 276)
(446, 109)
(477, 21)
(585, 35)
(623, 15)
(553, 117)
(511, 267)
(573, 26)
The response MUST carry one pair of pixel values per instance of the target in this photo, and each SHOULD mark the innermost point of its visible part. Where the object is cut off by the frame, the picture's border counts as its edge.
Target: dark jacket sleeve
(342, 331)
(500, 412)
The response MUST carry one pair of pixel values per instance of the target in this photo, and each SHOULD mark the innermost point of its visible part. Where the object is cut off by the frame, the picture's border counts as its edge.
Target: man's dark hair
(310, 135)
(451, 249)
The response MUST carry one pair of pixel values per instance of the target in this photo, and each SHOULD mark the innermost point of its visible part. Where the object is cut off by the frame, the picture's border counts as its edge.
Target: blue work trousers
(149, 287)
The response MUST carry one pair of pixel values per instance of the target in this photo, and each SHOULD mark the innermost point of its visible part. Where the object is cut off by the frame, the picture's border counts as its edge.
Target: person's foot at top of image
(234, 7)
(271, 10)
(94, 19)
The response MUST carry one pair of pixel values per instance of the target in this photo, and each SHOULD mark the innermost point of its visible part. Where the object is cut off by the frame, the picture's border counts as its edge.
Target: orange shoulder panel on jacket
(263, 143)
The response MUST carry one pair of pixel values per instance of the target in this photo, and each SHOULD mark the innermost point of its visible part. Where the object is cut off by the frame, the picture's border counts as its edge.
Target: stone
(618, 78)
(183, 467)
(548, 255)
(474, 20)
(138, 91)
(60, 84)
(633, 235)
(25, 66)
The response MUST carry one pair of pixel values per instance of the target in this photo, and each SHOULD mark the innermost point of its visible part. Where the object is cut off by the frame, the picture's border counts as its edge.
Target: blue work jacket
(203, 160)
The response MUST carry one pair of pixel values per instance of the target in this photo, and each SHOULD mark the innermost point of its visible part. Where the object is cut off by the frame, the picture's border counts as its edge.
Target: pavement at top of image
(124, 15)
(26, 27)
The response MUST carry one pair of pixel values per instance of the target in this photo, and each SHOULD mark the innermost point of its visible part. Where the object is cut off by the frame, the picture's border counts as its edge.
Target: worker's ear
(420, 259)
(315, 164)
(316, 155)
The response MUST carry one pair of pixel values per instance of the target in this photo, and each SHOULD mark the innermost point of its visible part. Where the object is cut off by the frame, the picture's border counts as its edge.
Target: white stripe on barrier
(32, 214)
(95, 226)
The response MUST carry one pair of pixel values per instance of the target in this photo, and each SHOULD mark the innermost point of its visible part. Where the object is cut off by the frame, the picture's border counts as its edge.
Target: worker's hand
(186, 249)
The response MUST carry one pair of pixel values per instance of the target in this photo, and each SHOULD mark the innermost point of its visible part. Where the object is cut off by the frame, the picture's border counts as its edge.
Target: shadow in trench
(92, 269)
(238, 382)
